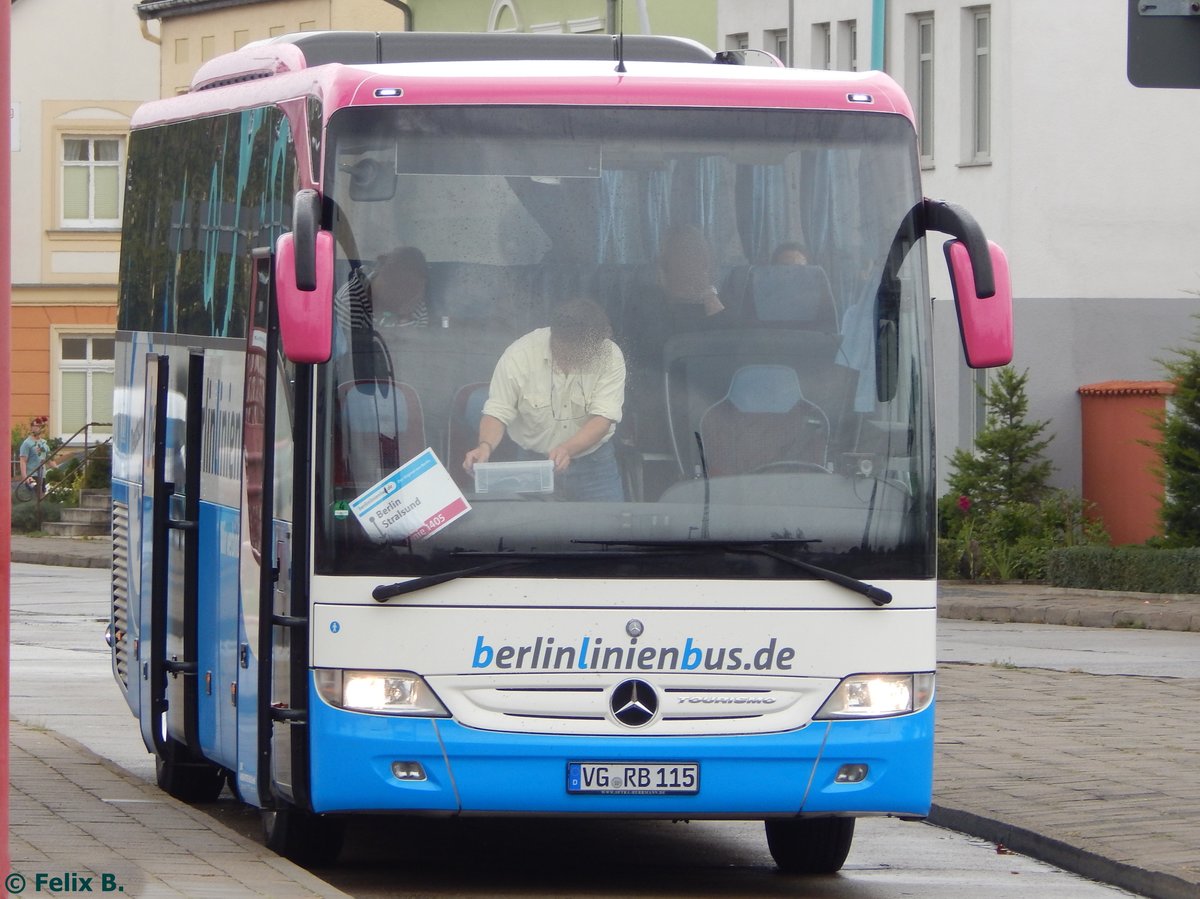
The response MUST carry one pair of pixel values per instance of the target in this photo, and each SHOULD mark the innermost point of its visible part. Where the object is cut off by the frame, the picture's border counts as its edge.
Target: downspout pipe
(406, 9)
(878, 32)
(644, 17)
(153, 38)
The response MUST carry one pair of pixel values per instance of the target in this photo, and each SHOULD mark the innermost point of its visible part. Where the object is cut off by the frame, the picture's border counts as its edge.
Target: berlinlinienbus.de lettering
(591, 654)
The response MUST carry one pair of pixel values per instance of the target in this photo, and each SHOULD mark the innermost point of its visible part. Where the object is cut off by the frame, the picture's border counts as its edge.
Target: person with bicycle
(34, 452)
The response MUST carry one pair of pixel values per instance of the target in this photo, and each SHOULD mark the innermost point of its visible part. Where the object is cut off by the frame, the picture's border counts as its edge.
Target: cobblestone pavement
(1094, 773)
(74, 815)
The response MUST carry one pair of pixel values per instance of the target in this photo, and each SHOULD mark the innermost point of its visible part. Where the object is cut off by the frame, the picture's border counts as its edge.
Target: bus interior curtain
(763, 205)
(617, 218)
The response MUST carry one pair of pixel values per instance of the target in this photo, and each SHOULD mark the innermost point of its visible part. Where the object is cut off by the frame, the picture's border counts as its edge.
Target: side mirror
(985, 322)
(305, 313)
(306, 222)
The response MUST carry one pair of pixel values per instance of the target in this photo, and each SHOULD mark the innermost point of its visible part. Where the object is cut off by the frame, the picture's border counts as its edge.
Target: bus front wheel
(186, 778)
(810, 845)
(303, 837)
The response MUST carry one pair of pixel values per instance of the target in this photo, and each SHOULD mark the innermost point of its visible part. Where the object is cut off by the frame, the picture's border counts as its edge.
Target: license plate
(633, 778)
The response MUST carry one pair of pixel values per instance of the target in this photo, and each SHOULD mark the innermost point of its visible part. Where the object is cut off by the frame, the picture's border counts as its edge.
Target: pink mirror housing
(986, 323)
(305, 316)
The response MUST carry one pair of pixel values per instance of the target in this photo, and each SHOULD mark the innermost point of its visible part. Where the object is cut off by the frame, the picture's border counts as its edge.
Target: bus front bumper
(377, 763)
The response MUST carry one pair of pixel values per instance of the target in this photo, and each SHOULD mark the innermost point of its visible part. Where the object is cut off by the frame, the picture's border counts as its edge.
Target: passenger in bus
(558, 393)
(686, 272)
(389, 294)
(684, 299)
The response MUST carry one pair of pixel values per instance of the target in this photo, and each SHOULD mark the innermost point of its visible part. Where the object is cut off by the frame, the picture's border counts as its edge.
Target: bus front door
(272, 707)
(169, 713)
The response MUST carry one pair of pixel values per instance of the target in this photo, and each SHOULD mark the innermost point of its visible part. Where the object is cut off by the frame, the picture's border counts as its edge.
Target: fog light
(851, 774)
(408, 771)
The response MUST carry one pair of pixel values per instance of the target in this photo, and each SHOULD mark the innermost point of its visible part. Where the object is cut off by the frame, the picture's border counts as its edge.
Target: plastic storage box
(514, 477)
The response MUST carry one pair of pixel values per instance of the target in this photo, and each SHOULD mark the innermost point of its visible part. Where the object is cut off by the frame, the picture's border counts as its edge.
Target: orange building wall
(1119, 456)
(31, 352)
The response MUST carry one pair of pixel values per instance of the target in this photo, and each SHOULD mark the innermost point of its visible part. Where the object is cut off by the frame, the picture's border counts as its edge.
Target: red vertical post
(6, 367)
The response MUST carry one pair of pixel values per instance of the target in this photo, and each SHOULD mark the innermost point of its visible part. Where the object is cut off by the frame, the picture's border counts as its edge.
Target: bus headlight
(878, 696)
(380, 692)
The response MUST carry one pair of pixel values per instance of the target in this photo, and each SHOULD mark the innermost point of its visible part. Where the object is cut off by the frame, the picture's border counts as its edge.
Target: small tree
(1180, 450)
(1001, 516)
(1007, 465)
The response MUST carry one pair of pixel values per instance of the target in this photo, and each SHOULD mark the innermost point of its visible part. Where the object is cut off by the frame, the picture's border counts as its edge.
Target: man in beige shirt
(558, 393)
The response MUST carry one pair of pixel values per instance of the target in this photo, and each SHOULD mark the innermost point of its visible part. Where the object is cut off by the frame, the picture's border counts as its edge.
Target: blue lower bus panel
(354, 759)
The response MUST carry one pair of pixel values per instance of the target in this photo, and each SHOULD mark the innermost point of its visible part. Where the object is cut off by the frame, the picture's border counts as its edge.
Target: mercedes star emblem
(634, 703)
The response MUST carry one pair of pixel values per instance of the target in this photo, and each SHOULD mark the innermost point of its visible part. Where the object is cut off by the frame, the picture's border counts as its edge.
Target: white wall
(1093, 189)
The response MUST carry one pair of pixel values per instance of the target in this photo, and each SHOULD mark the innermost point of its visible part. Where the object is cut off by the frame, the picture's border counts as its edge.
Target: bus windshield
(698, 303)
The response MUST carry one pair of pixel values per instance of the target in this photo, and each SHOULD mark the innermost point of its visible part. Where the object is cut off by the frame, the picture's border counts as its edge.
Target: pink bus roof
(543, 82)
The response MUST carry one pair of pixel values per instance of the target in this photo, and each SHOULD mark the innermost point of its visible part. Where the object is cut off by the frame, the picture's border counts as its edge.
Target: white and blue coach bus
(316, 602)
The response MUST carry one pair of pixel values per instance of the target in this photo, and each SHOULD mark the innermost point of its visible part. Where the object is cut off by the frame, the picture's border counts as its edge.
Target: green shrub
(97, 474)
(1136, 569)
(1179, 450)
(28, 517)
(1001, 518)
(62, 482)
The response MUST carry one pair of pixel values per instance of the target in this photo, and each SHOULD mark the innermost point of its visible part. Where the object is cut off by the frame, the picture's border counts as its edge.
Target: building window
(85, 381)
(91, 182)
(740, 41)
(925, 88)
(777, 42)
(848, 45)
(981, 78)
(822, 46)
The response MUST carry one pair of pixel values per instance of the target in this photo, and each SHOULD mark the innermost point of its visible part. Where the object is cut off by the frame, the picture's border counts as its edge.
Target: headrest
(765, 388)
(367, 405)
(797, 294)
(474, 405)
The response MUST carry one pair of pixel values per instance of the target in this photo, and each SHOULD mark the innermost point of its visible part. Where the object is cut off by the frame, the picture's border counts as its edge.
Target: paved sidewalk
(1095, 774)
(1038, 604)
(75, 552)
(74, 814)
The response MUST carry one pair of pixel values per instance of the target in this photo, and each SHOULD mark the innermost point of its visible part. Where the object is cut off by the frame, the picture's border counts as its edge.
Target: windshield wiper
(877, 595)
(497, 559)
(638, 549)
(384, 592)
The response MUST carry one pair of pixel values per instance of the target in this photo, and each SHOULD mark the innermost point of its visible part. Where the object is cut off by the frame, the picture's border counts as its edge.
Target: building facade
(73, 92)
(1026, 117)
(70, 124)
(695, 19)
(191, 32)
